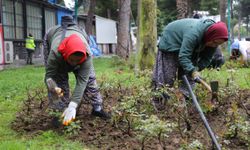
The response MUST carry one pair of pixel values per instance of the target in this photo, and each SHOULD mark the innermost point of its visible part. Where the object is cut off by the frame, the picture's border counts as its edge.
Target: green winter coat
(56, 65)
(30, 43)
(185, 37)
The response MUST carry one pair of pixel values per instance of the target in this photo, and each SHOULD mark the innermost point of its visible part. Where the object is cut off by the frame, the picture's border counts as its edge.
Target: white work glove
(69, 114)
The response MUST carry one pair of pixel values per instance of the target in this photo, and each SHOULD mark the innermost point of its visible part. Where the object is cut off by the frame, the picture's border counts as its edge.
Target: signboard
(105, 31)
(1, 45)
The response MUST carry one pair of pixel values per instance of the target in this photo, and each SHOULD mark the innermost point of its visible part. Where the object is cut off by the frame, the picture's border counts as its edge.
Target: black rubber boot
(102, 114)
(56, 122)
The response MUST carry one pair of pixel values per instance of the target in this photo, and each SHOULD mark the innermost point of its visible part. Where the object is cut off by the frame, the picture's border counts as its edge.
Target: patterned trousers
(91, 92)
(167, 70)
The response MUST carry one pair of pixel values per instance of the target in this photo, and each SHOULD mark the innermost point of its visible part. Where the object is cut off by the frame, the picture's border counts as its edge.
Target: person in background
(30, 48)
(241, 49)
(66, 50)
(196, 15)
(217, 60)
(186, 47)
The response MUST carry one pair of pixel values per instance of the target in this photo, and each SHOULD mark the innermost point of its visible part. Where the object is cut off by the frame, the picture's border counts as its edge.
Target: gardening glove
(196, 76)
(69, 114)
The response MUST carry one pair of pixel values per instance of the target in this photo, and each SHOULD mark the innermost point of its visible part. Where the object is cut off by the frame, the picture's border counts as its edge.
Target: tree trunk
(182, 8)
(223, 7)
(232, 18)
(123, 28)
(89, 23)
(239, 23)
(247, 24)
(147, 34)
(189, 8)
(109, 13)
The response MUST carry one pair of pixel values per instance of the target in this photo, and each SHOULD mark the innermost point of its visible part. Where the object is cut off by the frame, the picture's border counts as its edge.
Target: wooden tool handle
(206, 85)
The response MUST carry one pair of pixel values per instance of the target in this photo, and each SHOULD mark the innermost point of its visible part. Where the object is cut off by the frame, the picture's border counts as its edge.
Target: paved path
(21, 63)
(36, 62)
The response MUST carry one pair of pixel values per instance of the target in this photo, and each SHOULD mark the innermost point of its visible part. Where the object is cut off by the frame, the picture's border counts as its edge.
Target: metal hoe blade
(214, 86)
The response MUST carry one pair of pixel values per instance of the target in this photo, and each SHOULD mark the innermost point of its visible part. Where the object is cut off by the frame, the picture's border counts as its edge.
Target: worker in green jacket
(30, 48)
(186, 47)
(66, 50)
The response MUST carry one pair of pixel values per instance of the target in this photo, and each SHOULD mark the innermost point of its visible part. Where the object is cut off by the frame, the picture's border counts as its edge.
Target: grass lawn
(15, 82)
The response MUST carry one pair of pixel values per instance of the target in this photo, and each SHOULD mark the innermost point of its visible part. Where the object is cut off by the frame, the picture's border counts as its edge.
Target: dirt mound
(100, 134)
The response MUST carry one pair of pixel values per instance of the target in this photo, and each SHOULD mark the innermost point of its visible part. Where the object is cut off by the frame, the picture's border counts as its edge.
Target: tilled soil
(101, 134)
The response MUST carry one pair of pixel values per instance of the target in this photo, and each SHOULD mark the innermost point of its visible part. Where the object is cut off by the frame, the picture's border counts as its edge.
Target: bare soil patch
(34, 118)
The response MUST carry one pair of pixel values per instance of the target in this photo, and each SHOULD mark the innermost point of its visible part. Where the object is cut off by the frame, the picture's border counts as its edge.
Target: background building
(21, 17)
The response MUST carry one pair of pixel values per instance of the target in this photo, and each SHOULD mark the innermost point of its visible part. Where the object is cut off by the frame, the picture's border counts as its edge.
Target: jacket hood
(70, 45)
(216, 31)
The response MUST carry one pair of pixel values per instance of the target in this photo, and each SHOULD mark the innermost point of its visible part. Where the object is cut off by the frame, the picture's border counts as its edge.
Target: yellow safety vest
(30, 43)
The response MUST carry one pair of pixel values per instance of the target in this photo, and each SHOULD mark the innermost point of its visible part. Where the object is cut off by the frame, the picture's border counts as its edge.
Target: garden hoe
(210, 132)
(56, 100)
(213, 88)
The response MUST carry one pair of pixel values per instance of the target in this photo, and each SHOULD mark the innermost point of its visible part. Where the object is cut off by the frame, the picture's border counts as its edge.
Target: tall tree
(147, 34)
(239, 22)
(89, 23)
(182, 8)
(223, 7)
(210, 5)
(245, 8)
(107, 8)
(166, 12)
(123, 40)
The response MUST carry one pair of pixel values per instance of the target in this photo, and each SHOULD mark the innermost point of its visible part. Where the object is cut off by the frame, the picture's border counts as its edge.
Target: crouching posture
(186, 47)
(66, 50)
(241, 49)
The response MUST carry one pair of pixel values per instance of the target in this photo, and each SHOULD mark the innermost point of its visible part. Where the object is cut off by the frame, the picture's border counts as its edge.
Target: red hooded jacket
(71, 45)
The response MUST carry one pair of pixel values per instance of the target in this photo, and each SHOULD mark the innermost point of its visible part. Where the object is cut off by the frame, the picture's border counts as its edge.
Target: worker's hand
(196, 76)
(69, 114)
(52, 86)
(59, 91)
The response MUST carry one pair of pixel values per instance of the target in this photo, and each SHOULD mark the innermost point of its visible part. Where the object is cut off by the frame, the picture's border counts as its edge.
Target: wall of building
(19, 18)
(61, 13)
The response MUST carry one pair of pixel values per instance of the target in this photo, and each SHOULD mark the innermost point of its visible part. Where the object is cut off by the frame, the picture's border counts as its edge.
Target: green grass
(13, 91)
(13, 86)
(46, 141)
(240, 76)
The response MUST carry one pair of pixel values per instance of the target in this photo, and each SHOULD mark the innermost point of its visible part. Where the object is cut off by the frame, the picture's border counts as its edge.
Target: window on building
(50, 19)
(81, 23)
(19, 20)
(8, 19)
(34, 20)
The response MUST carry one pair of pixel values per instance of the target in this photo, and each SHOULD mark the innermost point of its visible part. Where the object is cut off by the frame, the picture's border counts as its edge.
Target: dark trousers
(29, 56)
